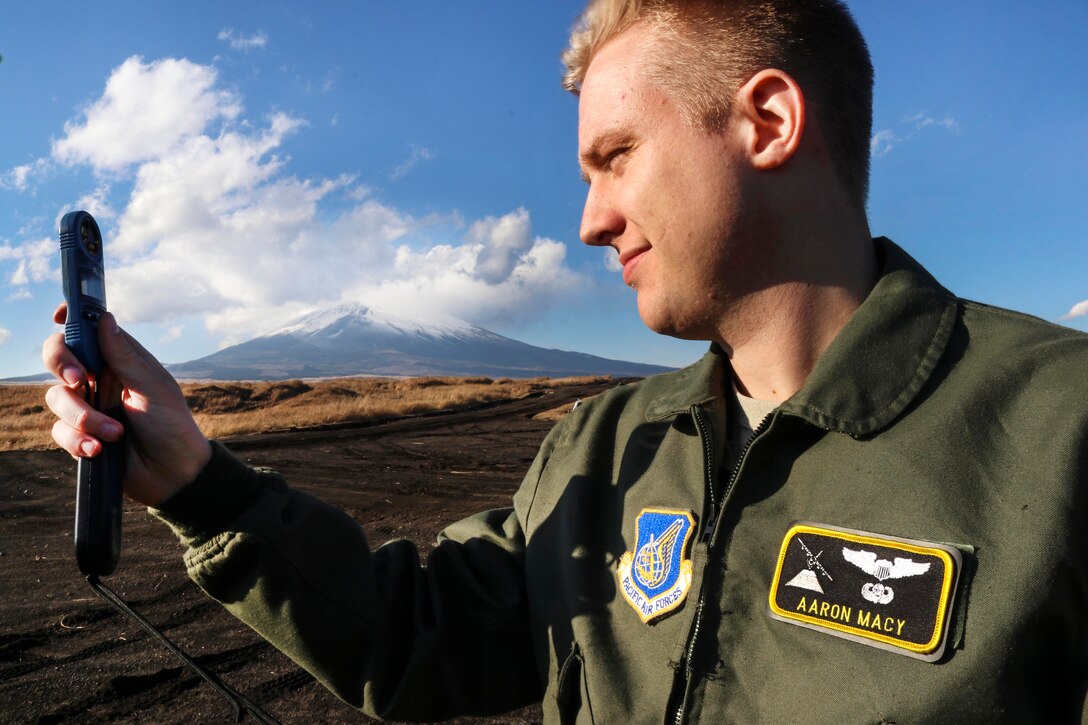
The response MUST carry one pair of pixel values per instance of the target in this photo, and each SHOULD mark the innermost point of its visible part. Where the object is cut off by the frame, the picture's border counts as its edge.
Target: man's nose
(601, 219)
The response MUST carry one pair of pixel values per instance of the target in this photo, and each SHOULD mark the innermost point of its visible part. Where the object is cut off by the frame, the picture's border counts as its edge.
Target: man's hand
(165, 448)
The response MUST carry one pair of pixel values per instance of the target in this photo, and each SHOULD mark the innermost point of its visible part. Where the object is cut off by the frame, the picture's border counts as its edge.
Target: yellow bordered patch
(655, 577)
(884, 591)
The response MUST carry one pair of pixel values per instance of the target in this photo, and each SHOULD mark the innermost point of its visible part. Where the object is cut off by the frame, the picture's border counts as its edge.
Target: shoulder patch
(879, 590)
(655, 578)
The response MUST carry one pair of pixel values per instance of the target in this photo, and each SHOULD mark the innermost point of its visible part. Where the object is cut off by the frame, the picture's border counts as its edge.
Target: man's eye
(616, 157)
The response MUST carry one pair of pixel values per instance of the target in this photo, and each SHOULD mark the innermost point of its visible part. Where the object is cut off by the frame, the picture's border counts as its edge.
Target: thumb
(132, 365)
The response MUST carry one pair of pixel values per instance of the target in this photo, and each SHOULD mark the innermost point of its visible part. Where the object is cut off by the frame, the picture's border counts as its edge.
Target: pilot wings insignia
(882, 569)
(858, 604)
(654, 576)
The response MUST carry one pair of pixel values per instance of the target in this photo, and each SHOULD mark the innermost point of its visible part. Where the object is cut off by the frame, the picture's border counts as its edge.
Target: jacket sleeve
(384, 633)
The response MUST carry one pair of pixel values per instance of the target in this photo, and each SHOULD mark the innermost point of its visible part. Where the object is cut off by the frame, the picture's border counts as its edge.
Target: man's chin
(665, 324)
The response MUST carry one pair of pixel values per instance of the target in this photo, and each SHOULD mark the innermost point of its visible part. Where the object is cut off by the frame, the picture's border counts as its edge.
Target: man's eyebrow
(598, 151)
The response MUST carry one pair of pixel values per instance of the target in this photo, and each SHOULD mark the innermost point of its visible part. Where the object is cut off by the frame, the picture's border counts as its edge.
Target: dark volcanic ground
(65, 656)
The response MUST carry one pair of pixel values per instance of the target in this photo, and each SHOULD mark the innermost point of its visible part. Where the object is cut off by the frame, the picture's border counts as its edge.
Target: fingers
(79, 428)
(77, 444)
(60, 361)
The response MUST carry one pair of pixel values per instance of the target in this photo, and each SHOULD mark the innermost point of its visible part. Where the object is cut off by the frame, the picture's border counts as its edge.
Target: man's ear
(771, 110)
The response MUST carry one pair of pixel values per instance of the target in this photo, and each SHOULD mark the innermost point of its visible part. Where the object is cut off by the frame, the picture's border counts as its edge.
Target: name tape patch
(879, 590)
(655, 578)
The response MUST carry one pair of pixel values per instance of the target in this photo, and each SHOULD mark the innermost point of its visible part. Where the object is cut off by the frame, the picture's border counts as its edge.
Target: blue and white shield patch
(656, 577)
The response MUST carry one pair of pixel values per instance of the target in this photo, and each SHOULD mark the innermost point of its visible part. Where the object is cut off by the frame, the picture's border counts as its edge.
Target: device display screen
(92, 285)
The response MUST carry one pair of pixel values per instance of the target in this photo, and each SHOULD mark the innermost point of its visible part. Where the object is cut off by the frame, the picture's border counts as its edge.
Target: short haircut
(703, 51)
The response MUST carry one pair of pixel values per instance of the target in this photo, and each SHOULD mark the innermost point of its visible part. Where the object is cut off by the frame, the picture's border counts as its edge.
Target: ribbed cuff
(221, 492)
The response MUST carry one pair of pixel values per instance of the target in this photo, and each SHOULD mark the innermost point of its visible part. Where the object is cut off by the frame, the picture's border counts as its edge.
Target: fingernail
(112, 430)
(72, 375)
(88, 448)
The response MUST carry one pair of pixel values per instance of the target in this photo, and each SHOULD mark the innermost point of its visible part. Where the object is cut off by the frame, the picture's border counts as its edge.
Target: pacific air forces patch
(883, 591)
(655, 578)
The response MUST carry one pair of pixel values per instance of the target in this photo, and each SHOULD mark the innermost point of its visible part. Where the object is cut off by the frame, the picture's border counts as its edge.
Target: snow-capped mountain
(355, 339)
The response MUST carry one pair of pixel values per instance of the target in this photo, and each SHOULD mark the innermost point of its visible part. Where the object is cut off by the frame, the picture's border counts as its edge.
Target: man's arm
(383, 633)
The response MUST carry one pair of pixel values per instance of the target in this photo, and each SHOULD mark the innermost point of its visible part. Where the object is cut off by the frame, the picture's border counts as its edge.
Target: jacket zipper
(708, 471)
(708, 534)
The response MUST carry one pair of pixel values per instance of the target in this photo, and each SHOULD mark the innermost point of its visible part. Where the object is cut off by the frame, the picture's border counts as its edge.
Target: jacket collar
(872, 370)
(697, 384)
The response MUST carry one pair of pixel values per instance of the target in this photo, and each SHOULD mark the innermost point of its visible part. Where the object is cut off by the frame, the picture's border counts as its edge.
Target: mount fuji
(354, 339)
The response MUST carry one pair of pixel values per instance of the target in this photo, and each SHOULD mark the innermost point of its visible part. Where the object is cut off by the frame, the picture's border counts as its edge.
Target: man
(899, 540)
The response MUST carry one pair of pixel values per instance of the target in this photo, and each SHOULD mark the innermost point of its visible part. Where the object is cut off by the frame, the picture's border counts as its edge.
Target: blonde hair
(700, 52)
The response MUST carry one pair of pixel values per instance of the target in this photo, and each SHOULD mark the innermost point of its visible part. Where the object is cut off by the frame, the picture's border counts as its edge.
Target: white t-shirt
(750, 413)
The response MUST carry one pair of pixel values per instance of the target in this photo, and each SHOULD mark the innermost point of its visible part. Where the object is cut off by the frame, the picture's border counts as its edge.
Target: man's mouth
(630, 262)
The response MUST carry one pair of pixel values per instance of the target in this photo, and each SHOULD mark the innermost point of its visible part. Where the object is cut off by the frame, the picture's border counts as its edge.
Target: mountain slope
(359, 340)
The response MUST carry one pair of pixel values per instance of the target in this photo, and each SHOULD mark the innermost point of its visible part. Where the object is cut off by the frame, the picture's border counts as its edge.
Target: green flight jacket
(929, 418)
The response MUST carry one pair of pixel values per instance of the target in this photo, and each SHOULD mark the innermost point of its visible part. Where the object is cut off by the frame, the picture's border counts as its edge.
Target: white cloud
(20, 294)
(21, 276)
(97, 204)
(217, 227)
(419, 154)
(146, 110)
(19, 177)
(922, 120)
(242, 42)
(612, 260)
(36, 261)
(5, 335)
(500, 242)
(1078, 310)
(447, 278)
(204, 184)
(172, 333)
(373, 254)
(883, 141)
(360, 192)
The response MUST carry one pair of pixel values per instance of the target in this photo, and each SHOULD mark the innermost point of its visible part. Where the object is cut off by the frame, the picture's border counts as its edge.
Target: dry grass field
(24, 420)
(228, 409)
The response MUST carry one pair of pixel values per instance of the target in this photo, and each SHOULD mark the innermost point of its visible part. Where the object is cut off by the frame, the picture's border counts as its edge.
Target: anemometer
(99, 479)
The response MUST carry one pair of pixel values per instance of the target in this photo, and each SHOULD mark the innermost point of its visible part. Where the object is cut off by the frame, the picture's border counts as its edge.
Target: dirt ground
(65, 656)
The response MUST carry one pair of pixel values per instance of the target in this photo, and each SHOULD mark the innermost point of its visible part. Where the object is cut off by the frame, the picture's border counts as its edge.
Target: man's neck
(790, 324)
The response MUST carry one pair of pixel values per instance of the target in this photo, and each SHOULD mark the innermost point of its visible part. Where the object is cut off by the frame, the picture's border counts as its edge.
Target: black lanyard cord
(238, 701)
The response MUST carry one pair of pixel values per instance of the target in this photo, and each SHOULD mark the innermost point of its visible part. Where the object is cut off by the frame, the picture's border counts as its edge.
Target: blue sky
(249, 162)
